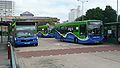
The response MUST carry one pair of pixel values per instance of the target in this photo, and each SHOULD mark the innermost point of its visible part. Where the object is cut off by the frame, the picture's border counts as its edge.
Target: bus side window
(65, 29)
(42, 29)
(70, 29)
(83, 29)
(62, 29)
(75, 28)
(45, 30)
(58, 28)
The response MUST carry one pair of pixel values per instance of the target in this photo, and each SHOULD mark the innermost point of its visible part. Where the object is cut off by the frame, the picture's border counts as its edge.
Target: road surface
(52, 53)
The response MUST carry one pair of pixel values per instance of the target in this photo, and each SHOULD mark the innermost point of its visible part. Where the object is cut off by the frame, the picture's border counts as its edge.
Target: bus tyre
(36, 44)
(62, 39)
(76, 40)
(15, 45)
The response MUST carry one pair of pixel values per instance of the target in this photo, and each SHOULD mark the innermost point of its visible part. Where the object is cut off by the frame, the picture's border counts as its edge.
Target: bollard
(8, 51)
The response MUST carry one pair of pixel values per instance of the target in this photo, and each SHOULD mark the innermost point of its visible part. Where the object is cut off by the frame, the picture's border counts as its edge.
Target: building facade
(6, 8)
(73, 14)
(27, 14)
(23, 18)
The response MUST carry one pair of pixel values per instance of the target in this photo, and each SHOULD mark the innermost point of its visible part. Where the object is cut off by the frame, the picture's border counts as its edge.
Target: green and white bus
(90, 31)
(45, 31)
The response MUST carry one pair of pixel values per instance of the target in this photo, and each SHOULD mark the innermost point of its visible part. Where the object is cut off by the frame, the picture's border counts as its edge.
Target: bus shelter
(112, 32)
(4, 31)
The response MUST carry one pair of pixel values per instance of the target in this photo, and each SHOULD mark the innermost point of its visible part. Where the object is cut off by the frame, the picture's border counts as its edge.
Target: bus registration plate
(27, 43)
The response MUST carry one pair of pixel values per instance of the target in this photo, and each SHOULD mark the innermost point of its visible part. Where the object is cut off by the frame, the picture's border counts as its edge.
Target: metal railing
(11, 55)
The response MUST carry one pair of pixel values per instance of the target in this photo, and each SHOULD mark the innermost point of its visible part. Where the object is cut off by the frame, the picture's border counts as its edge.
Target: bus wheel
(75, 40)
(62, 39)
(35, 44)
(15, 45)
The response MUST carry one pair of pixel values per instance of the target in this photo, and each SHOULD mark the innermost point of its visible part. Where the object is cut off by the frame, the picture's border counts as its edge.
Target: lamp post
(117, 10)
(82, 8)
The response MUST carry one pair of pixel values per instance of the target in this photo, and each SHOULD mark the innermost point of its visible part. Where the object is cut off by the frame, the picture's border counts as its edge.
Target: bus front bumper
(26, 43)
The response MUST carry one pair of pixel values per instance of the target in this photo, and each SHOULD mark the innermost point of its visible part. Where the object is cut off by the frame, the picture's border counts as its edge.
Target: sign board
(109, 31)
(119, 39)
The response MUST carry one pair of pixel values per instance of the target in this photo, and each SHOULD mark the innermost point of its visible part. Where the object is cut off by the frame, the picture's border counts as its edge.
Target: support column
(9, 33)
(1, 35)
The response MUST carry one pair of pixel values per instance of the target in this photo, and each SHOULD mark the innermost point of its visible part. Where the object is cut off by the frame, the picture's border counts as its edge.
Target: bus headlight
(19, 40)
(118, 39)
(37, 37)
(34, 40)
(15, 38)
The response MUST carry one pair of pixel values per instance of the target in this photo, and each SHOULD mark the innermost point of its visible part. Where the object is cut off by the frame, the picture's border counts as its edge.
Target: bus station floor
(53, 44)
(82, 60)
(4, 62)
(51, 53)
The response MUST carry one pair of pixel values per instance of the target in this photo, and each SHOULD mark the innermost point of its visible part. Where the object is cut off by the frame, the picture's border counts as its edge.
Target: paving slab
(4, 62)
(83, 60)
(68, 51)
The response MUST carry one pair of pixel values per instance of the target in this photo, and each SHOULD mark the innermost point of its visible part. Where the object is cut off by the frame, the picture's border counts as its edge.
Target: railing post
(11, 56)
(9, 32)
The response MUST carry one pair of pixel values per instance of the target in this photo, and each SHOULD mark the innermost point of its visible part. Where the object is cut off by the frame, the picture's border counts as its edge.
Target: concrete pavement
(4, 62)
(53, 44)
(84, 60)
(102, 59)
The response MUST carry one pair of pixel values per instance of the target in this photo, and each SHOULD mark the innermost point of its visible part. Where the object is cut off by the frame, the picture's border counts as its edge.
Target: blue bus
(25, 33)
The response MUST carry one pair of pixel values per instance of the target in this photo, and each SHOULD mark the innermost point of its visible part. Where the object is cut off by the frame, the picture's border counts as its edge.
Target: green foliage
(95, 14)
(46, 22)
(80, 18)
(107, 15)
(40, 23)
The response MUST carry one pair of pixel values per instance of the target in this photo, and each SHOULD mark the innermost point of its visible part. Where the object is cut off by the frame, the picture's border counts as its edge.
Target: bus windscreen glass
(95, 28)
(25, 31)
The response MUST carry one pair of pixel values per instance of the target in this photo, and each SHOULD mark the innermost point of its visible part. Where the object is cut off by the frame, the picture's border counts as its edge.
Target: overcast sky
(58, 8)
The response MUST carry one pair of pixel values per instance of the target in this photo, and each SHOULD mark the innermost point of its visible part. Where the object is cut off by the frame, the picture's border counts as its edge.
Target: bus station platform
(4, 61)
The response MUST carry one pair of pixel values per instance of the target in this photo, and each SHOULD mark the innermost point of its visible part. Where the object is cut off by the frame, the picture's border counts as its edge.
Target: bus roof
(113, 23)
(75, 23)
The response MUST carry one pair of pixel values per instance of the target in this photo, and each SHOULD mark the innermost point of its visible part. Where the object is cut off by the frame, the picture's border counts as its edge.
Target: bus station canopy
(5, 23)
(113, 23)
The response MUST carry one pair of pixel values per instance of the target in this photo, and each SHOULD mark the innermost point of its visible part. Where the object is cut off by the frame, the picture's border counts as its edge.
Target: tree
(80, 18)
(95, 14)
(110, 14)
(50, 22)
(107, 15)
